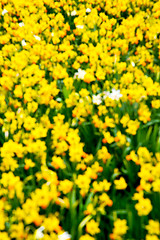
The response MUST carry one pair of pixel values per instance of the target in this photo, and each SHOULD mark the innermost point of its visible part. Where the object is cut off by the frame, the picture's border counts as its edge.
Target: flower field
(80, 119)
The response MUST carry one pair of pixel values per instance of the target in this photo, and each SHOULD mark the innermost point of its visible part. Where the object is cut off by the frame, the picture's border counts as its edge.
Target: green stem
(142, 227)
(73, 212)
(82, 224)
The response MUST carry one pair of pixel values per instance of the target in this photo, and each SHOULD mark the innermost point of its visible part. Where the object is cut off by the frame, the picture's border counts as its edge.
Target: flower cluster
(79, 119)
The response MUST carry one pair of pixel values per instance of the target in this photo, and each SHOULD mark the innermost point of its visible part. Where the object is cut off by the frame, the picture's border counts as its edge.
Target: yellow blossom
(120, 184)
(92, 227)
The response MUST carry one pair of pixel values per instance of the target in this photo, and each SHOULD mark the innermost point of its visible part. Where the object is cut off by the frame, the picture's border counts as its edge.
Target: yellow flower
(144, 206)
(65, 186)
(151, 237)
(120, 228)
(156, 185)
(76, 152)
(8, 163)
(107, 138)
(92, 227)
(124, 120)
(72, 99)
(18, 231)
(68, 82)
(57, 162)
(120, 184)
(138, 196)
(109, 122)
(120, 139)
(133, 126)
(4, 236)
(144, 155)
(86, 237)
(105, 200)
(90, 209)
(3, 220)
(51, 223)
(29, 123)
(153, 227)
(28, 163)
(13, 184)
(144, 113)
(83, 181)
(156, 103)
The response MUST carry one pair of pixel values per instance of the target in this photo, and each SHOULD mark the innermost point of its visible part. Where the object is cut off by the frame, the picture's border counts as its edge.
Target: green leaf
(99, 144)
(84, 221)
(89, 199)
(66, 92)
(152, 122)
(114, 175)
(158, 145)
(149, 133)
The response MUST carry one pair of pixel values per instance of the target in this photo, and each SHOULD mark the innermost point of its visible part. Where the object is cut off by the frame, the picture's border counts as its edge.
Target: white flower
(133, 64)
(6, 134)
(59, 99)
(21, 24)
(23, 43)
(64, 236)
(37, 37)
(73, 124)
(81, 100)
(88, 10)
(19, 110)
(4, 11)
(80, 26)
(21, 116)
(80, 74)
(114, 95)
(106, 94)
(97, 99)
(115, 60)
(52, 34)
(61, 200)
(73, 13)
(39, 233)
